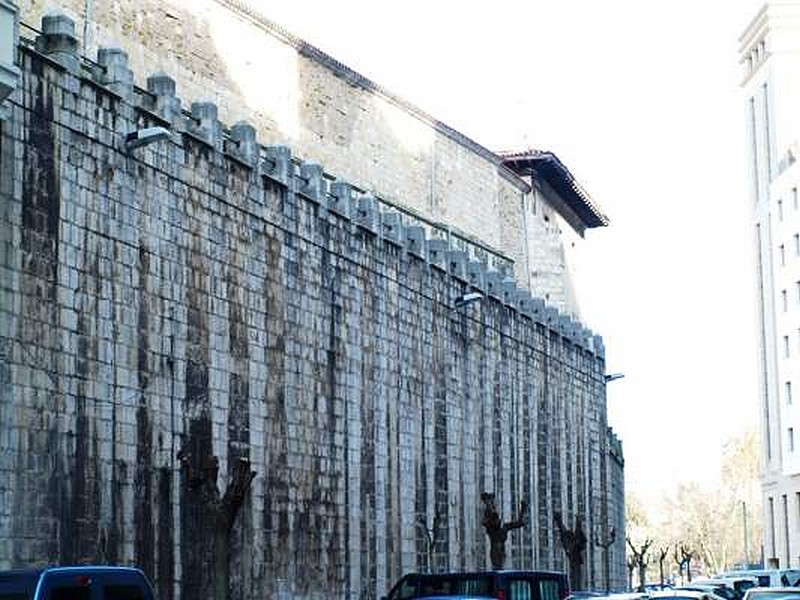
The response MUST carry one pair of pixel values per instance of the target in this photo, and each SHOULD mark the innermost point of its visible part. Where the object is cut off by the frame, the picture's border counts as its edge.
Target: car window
(405, 590)
(71, 592)
(436, 587)
(14, 596)
(519, 589)
(475, 586)
(549, 589)
(123, 592)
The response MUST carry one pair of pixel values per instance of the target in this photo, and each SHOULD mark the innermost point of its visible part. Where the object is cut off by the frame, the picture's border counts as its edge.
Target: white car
(679, 594)
(769, 577)
(772, 593)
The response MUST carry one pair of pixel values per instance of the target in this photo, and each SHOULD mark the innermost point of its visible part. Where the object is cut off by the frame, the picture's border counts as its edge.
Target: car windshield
(773, 595)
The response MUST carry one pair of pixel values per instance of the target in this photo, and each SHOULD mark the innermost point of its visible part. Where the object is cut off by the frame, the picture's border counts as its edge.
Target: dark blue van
(502, 585)
(75, 583)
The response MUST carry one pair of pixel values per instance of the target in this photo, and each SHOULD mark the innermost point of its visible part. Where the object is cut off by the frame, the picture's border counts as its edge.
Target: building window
(767, 134)
(786, 346)
(773, 545)
(797, 503)
(782, 252)
(788, 392)
(785, 503)
(753, 133)
(780, 210)
(794, 198)
(797, 244)
(797, 290)
(784, 302)
(791, 439)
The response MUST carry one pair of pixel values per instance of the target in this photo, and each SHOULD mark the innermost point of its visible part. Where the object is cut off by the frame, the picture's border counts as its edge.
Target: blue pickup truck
(75, 583)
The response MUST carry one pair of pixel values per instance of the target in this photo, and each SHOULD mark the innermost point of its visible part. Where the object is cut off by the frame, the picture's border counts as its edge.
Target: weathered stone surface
(296, 95)
(152, 317)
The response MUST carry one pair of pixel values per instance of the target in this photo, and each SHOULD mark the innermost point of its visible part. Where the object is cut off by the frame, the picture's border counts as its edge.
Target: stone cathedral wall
(207, 297)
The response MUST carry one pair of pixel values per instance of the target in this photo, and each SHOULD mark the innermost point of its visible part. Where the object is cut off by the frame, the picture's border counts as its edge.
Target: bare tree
(662, 555)
(430, 537)
(641, 560)
(605, 544)
(574, 543)
(221, 511)
(686, 557)
(497, 530)
(631, 564)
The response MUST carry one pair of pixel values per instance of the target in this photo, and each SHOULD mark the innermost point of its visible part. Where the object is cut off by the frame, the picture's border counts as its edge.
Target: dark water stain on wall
(41, 190)
(239, 378)
(277, 482)
(197, 528)
(165, 569)
(144, 539)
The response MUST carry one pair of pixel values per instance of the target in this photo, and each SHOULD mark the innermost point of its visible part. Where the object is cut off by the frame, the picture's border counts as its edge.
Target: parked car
(75, 583)
(740, 584)
(508, 585)
(770, 577)
(772, 593)
(682, 594)
(719, 589)
(585, 595)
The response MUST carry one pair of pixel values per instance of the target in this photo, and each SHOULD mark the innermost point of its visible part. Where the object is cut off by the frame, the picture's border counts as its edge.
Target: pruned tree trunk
(686, 557)
(606, 544)
(497, 530)
(662, 555)
(220, 512)
(640, 560)
(574, 543)
(631, 564)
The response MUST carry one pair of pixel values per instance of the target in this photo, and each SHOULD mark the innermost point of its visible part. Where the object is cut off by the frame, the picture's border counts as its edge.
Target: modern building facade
(770, 56)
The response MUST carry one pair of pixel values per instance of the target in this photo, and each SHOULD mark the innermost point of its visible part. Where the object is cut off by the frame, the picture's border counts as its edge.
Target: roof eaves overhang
(548, 167)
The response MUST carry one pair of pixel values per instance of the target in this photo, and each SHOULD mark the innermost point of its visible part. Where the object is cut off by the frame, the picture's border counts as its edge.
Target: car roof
(455, 596)
(679, 593)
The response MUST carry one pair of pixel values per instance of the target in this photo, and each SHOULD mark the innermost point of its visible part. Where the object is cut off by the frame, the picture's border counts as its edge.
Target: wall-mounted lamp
(145, 136)
(465, 299)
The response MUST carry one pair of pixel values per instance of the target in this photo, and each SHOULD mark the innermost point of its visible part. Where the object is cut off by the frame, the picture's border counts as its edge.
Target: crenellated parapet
(476, 266)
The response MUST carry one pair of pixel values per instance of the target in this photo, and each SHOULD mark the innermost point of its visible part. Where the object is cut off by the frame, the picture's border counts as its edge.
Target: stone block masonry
(296, 95)
(191, 300)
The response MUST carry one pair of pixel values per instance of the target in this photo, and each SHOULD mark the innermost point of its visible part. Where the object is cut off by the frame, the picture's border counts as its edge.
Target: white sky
(640, 99)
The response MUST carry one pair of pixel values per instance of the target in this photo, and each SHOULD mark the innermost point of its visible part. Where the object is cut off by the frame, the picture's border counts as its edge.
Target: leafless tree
(497, 530)
(631, 564)
(662, 555)
(574, 543)
(641, 560)
(684, 560)
(605, 544)
(430, 537)
(220, 510)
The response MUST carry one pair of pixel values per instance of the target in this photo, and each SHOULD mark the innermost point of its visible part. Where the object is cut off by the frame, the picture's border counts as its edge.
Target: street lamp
(465, 299)
(613, 376)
